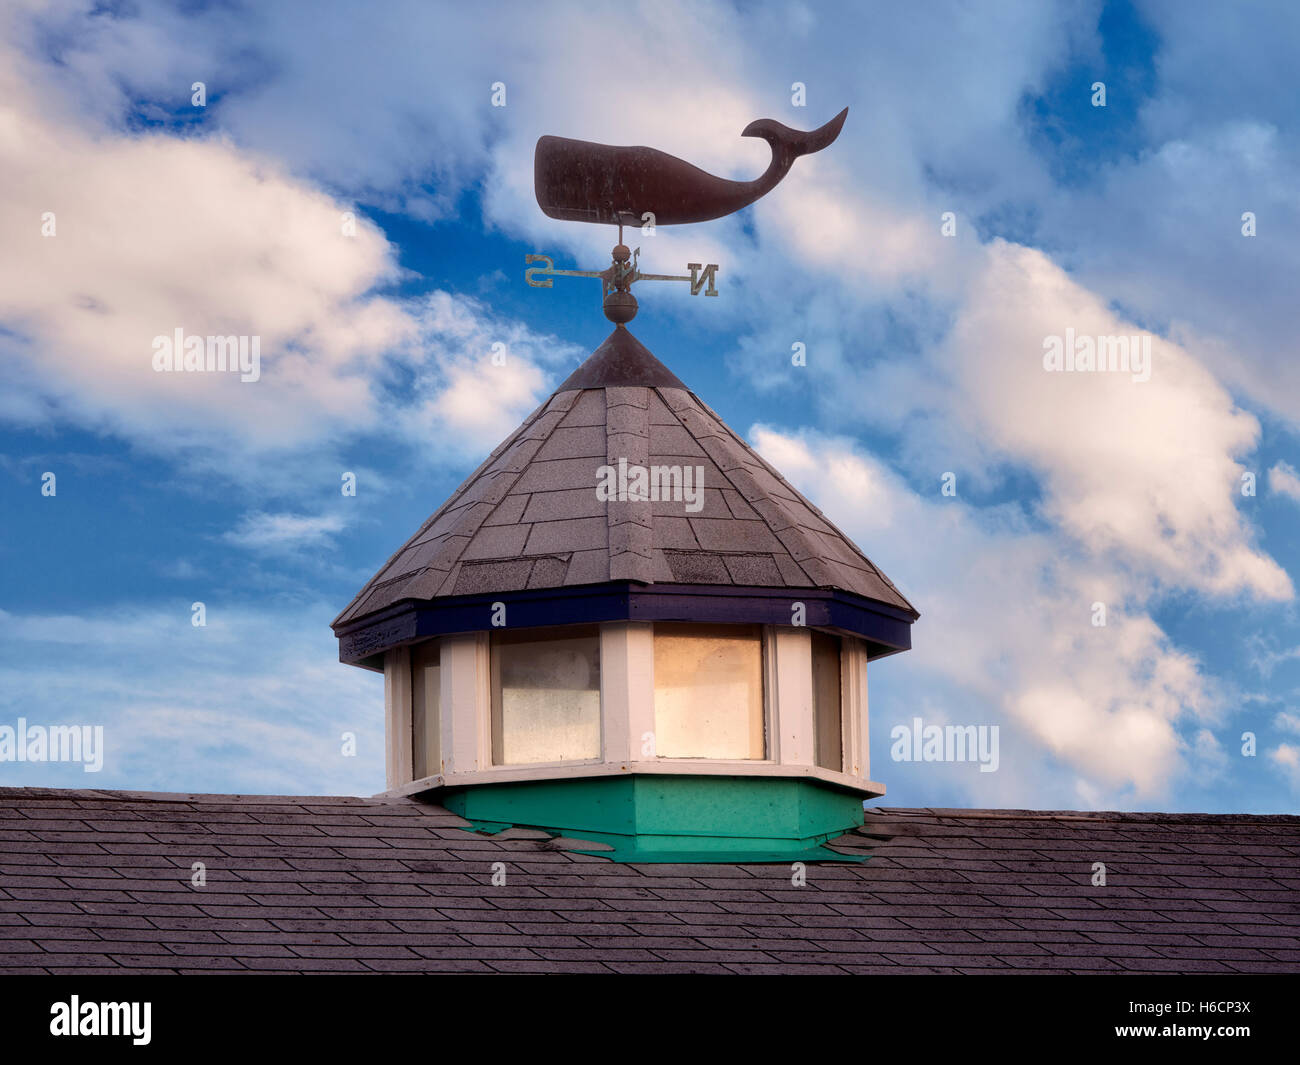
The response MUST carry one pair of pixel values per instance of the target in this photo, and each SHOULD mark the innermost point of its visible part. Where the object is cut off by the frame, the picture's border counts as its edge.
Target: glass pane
(826, 701)
(546, 695)
(709, 691)
(426, 693)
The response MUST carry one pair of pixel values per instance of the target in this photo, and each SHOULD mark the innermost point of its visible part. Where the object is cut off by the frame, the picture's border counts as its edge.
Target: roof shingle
(101, 881)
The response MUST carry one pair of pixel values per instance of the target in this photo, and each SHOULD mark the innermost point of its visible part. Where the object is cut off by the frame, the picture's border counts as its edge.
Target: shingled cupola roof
(529, 517)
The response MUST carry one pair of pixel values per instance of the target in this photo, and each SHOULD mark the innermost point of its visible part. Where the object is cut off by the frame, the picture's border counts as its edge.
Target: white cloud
(410, 126)
(255, 702)
(1264, 658)
(1162, 230)
(1284, 480)
(156, 232)
(1007, 617)
(1208, 755)
(285, 532)
(1288, 722)
(1147, 470)
(1286, 756)
(479, 376)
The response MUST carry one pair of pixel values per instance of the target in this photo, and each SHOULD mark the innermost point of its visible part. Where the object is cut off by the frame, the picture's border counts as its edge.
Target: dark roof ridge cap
(200, 798)
(1153, 816)
(620, 361)
(910, 814)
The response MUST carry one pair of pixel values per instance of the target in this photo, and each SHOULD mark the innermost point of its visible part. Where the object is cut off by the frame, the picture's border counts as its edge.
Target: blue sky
(924, 356)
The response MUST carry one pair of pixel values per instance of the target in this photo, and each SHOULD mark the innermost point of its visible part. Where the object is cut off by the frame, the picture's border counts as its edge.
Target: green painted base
(660, 818)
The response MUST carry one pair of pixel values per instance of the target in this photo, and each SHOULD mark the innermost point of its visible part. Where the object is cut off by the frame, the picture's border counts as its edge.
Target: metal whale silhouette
(581, 181)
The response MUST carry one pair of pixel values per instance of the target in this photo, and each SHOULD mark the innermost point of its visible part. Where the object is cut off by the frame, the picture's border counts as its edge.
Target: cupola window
(828, 718)
(546, 695)
(426, 695)
(708, 691)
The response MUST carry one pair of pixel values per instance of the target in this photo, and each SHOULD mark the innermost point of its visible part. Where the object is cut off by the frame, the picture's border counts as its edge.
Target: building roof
(529, 517)
(100, 881)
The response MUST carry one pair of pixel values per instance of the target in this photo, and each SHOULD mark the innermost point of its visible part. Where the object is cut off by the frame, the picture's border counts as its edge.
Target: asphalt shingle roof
(529, 517)
(100, 881)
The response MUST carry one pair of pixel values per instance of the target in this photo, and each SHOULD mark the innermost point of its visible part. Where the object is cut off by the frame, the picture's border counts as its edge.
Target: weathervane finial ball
(622, 253)
(620, 307)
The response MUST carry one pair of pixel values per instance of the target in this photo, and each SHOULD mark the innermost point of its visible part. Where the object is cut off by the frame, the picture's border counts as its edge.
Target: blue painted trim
(886, 628)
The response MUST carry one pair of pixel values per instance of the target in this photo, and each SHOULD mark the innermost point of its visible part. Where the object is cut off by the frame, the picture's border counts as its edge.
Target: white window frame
(855, 724)
(792, 688)
(627, 689)
(397, 717)
(467, 702)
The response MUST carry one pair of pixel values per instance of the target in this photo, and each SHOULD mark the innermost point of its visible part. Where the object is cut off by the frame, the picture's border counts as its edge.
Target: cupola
(628, 628)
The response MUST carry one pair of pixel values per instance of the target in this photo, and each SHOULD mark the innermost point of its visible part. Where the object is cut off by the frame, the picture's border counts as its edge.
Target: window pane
(426, 693)
(709, 691)
(826, 701)
(546, 695)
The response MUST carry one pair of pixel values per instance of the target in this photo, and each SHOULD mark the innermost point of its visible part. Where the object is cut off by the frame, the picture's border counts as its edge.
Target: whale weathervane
(581, 181)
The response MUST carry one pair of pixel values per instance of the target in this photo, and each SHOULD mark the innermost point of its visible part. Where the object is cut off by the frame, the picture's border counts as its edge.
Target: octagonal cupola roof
(557, 506)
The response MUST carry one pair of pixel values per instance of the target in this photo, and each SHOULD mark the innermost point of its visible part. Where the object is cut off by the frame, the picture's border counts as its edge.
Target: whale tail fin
(796, 142)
